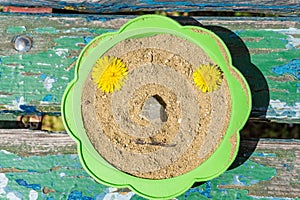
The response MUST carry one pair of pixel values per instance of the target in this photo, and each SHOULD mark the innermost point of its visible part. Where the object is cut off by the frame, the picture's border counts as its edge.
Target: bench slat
(263, 168)
(266, 50)
(288, 7)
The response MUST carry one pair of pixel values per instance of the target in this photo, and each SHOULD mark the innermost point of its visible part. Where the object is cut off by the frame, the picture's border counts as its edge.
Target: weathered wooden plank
(26, 142)
(265, 50)
(287, 7)
(34, 163)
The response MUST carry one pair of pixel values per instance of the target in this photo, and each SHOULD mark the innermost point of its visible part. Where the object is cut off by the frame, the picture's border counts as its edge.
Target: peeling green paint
(70, 43)
(58, 42)
(45, 69)
(285, 91)
(260, 154)
(61, 173)
(233, 184)
(49, 30)
(27, 70)
(16, 29)
(99, 31)
(64, 174)
(264, 39)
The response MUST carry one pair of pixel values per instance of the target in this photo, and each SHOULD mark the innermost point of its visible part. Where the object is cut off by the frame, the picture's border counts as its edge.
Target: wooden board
(265, 50)
(46, 165)
(286, 7)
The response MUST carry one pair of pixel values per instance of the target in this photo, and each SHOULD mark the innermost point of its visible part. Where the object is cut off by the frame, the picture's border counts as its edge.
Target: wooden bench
(264, 41)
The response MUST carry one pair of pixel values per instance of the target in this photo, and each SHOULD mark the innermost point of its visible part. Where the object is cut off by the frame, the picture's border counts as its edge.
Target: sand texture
(159, 66)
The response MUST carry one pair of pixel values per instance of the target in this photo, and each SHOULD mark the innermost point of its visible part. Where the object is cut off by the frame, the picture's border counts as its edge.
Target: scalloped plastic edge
(106, 174)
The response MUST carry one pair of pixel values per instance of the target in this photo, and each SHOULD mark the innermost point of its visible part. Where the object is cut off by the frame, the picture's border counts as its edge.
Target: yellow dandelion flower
(208, 78)
(109, 73)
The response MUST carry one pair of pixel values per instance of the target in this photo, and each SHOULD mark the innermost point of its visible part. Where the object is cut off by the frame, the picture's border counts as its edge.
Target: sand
(160, 65)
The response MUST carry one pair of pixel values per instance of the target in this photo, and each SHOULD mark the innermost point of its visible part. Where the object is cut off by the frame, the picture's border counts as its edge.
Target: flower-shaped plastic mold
(220, 159)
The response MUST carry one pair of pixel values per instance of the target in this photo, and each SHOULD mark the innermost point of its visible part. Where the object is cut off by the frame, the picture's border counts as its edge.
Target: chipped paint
(233, 183)
(47, 98)
(16, 29)
(23, 183)
(260, 154)
(74, 30)
(5, 192)
(16, 103)
(61, 52)
(96, 6)
(5, 152)
(236, 181)
(267, 39)
(13, 196)
(68, 42)
(273, 198)
(33, 195)
(292, 68)
(49, 30)
(206, 192)
(283, 110)
(58, 41)
(114, 193)
(62, 177)
(3, 184)
(293, 41)
(70, 180)
(48, 83)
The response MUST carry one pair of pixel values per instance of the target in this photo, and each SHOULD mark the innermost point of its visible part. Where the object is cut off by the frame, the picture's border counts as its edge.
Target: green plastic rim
(104, 172)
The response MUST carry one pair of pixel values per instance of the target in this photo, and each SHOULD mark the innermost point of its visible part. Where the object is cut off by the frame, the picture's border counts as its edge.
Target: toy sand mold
(156, 107)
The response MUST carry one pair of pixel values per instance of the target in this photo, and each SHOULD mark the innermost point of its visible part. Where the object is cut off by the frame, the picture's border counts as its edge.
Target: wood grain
(26, 142)
(265, 50)
(264, 168)
(287, 7)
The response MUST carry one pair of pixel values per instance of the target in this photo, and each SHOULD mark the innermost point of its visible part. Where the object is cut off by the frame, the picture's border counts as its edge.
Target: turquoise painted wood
(287, 7)
(35, 166)
(38, 165)
(265, 50)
